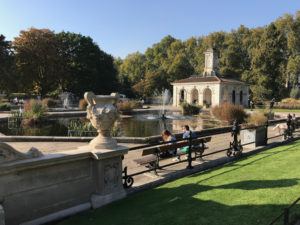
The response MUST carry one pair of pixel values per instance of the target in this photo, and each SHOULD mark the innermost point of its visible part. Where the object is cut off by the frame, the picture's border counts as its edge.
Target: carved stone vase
(102, 112)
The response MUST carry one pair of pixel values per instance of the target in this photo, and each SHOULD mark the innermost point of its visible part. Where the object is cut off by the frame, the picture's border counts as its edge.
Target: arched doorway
(241, 97)
(233, 97)
(207, 97)
(182, 95)
(195, 96)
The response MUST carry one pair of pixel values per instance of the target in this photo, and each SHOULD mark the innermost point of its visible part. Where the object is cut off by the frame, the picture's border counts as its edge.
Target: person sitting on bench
(187, 133)
(168, 137)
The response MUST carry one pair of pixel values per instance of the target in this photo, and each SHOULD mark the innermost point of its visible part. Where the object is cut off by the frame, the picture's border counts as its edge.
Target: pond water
(136, 126)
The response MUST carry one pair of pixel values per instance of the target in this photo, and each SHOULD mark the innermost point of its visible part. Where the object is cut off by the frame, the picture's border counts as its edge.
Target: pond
(142, 125)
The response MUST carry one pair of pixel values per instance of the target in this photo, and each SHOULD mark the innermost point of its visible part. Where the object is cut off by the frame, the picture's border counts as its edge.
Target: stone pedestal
(102, 113)
(2, 216)
(108, 176)
(256, 135)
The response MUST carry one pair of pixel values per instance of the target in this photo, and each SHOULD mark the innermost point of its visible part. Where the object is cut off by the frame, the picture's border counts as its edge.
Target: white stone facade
(210, 93)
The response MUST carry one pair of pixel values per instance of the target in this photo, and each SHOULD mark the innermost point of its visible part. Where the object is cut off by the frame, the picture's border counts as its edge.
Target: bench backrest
(172, 146)
(150, 151)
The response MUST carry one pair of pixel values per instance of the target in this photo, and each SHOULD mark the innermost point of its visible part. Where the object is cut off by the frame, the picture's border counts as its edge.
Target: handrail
(199, 136)
(205, 133)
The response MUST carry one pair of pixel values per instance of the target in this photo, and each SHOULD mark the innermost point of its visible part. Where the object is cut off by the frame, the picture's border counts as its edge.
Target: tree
(133, 67)
(36, 55)
(293, 70)
(8, 80)
(267, 59)
(235, 58)
(84, 66)
(152, 84)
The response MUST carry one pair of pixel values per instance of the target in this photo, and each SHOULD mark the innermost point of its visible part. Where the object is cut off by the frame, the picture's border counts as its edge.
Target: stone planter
(257, 135)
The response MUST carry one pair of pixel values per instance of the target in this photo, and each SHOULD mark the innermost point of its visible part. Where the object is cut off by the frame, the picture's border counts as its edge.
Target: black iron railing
(234, 148)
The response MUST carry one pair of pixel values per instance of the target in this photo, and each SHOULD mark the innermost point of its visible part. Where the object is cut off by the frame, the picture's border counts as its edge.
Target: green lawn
(287, 110)
(248, 192)
(279, 110)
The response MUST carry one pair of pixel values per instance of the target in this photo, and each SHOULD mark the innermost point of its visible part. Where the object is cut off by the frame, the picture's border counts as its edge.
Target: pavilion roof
(208, 79)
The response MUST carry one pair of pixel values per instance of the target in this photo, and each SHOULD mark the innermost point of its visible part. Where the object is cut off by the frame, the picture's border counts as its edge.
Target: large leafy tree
(235, 59)
(36, 55)
(152, 84)
(293, 70)
(267, 61)
(8, 80)
(133, 67)
(84, 66)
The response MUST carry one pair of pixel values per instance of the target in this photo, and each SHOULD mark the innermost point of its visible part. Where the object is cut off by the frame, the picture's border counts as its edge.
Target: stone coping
(60, 158)
(138, 140)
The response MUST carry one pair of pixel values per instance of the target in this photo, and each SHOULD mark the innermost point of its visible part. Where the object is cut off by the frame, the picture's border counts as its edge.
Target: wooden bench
(151, 156)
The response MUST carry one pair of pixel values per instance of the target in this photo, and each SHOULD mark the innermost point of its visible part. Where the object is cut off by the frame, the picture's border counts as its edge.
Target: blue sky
(125, 26)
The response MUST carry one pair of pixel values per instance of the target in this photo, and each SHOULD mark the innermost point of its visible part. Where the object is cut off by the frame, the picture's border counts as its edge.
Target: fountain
(66, 99)
(165, 100)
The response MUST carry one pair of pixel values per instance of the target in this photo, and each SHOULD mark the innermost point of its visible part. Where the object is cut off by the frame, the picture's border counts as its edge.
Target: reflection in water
(136, 126)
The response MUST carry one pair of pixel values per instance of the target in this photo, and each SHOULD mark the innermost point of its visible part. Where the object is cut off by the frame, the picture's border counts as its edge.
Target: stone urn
(102, 112)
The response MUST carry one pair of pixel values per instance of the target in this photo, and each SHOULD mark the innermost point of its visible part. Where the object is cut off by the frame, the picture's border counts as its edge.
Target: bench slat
(183, 143)
(145, 160)
(149, 151)
(151, 154)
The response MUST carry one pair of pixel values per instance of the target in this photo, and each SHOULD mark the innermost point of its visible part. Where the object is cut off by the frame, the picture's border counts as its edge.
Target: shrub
(125, 106)
(49, 102)
(5, 107)
(268, 114)
(82, 104)
(288, 103)
(83, 128)
(80, 128)
(34, 109)
(190, 109)
(295, 93)
(290, 100)
(128, 106)
(136, 104)
(257, 119)
(18, 95)
(228, 112)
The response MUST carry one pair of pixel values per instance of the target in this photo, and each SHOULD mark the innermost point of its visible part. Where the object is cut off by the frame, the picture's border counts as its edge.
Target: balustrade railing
(235, 147)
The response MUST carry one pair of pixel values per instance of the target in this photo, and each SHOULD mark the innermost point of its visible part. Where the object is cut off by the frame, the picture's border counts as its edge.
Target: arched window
(207, 97)
(182, 95)
(194, 96)
(241, 97)
(233, 97)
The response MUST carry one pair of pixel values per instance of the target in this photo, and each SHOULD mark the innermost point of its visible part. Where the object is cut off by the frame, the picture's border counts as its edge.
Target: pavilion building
(210, 88)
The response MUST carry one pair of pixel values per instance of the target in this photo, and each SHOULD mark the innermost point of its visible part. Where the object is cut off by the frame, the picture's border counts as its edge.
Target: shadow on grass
(187, 205)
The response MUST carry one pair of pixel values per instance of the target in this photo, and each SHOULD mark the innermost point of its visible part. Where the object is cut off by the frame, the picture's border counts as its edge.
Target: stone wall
(227, 91)
(35, 191)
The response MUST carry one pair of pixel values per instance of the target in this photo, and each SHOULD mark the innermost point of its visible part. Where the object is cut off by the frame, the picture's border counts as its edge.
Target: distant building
(210, 89)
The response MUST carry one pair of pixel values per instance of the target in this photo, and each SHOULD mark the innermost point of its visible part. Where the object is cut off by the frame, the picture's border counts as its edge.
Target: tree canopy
(266, 57)
(47, 63)
(43, 62)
